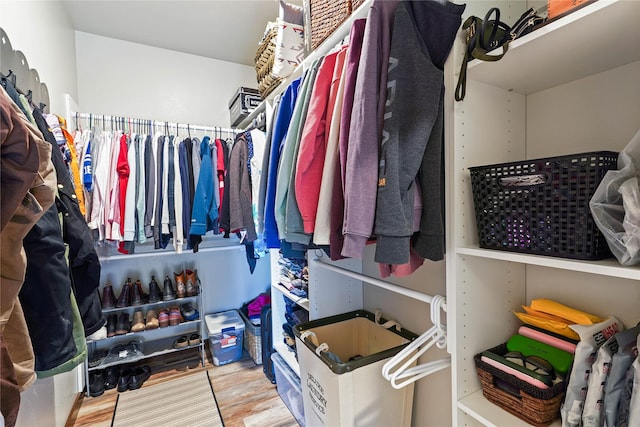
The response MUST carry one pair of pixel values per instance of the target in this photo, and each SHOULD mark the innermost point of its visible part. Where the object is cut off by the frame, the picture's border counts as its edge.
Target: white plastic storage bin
(342, 384)
(226, 332)
(289, 387)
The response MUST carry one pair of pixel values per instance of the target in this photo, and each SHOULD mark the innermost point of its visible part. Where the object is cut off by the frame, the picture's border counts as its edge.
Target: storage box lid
(217, 322)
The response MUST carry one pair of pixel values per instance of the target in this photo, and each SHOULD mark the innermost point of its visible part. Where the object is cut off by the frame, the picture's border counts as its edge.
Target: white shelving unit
(559, 90)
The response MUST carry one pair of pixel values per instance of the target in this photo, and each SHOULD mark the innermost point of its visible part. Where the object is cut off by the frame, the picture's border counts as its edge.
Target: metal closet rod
(101, 117)
(379, 283)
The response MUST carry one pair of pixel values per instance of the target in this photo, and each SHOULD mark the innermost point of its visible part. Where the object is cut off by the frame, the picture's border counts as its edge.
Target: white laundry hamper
(341, 359)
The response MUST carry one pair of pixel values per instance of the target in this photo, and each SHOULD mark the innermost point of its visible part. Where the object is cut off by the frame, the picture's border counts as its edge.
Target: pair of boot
(131, 295)
(186, 283)
(140, 324)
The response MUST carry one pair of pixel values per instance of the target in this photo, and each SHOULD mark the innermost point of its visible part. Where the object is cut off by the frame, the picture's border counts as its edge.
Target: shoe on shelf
(123, 326)
(192, 283)
(124, 300)
(143, 295)
(194, 339)
(163, 318)
(108, 299)
(125, 379)
(181, 342)
(155, 294)
(111, 377)
(181, 289)
(96, 358)
(138, 322)
(169, 293)
(112, 321)
(100, 334)
(152, 320)
(188, 312)
(175, 317)
(96, 384)
(139, 375)
(136, 296)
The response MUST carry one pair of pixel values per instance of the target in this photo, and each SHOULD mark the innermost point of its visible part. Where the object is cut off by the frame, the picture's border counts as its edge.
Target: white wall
(43, 32)
(127, 79)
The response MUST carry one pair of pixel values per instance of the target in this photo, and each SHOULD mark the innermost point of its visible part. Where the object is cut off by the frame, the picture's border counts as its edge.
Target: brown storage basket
(538, 407)
(265, 56)
(325, 17)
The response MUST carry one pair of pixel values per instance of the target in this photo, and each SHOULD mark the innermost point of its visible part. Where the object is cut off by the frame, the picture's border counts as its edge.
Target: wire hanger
(410, 354)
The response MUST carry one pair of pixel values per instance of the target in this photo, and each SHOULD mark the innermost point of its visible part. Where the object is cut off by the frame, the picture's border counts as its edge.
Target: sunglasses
(533, 363)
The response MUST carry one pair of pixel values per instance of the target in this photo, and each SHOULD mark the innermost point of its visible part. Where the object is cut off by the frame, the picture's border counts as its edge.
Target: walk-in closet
(320, 213)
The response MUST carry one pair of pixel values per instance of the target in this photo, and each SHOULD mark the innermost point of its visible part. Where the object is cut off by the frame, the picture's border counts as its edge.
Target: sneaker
(181, 342)
(163, 318)
(194, 339)
(188, 312)
(175, 317)
(181, 289)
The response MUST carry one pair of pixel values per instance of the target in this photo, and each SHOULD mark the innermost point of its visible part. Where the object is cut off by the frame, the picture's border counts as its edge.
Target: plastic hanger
(436, 335)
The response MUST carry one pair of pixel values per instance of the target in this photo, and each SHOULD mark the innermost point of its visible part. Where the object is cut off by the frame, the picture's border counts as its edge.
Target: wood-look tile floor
(245, 396)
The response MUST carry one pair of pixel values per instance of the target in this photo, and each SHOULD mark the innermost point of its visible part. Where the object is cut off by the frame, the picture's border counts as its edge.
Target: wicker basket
(536, 406)
(541, 206)
(325, 17)
(265, 56)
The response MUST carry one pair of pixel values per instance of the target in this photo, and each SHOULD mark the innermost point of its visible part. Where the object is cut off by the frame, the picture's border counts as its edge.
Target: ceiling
(228, 30)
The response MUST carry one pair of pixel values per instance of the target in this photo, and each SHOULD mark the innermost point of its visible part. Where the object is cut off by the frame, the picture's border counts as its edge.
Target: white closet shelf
(575, 46)
(301, 301)
(607, 267)
(150, 251)
(492, 415)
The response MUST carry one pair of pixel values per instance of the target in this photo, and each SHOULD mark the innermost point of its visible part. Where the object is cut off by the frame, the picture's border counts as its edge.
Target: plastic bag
(615, 205)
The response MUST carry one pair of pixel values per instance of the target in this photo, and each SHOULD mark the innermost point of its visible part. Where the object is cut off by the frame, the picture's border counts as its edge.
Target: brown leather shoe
(181, 290)
(192, 283)
(123, 326)
(108, 299)
(143, 296)
(138, 322)
(152, 320)
(136, 296)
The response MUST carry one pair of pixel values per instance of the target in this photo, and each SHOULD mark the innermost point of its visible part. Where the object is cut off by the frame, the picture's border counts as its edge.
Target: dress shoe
(143, 294)
(181, 288)
(96, 384)
(152, 320)
(123, 325)
(192, 283)
(169, 293)
(175, 317)
(111, 377)
(125, 379)
(108, 299)
(139, 376)
(124, 300)
(155, 294)
(112, 321)
(163, 318)
(138, 322)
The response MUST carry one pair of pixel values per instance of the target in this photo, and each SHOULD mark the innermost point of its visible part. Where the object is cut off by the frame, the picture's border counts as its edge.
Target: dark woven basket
(541, 206)
(536, 406)
(326, 16)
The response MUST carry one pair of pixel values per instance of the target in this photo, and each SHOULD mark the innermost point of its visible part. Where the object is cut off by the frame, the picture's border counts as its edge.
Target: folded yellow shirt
(543, 315)
(557, 326)
(571, 314)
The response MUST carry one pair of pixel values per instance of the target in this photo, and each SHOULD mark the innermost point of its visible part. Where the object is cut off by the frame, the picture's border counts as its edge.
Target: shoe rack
(178, 331)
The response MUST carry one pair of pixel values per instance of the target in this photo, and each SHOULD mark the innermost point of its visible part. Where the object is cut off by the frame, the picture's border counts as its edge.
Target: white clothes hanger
(410, 354)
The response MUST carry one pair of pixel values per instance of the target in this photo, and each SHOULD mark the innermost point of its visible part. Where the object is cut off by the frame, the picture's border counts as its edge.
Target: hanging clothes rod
(170, 125)
(379, 283)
